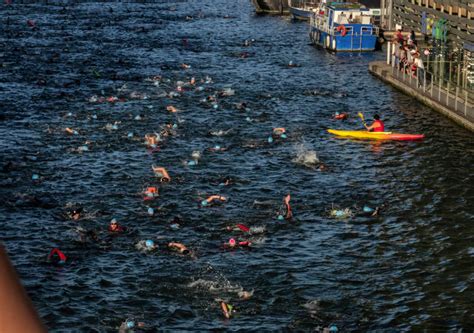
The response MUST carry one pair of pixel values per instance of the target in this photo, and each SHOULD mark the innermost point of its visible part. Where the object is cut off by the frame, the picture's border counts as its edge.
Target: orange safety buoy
(342, 29)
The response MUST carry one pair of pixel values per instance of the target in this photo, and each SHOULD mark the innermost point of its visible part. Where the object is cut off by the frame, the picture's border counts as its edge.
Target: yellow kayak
(376, 135)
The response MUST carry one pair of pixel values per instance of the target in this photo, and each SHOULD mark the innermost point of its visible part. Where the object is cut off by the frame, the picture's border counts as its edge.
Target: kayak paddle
(361, 116)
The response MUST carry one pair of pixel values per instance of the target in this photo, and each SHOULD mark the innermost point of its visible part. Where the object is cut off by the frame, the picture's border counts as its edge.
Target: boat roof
(347, 6)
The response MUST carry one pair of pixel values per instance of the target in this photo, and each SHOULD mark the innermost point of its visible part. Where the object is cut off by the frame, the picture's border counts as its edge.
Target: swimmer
(340, 116)
(232, 244)
(289, 213)
(162, 173)
(248, 42)
(152, 139)
(71, 131)
(171, 108)
(168, 130)
(227, 309)
(220, 132)
(249, 230)
(238, 227)
(56, 257)
(179, 247)
(291, 64)
(213, 198)
(175, 223)
(217, 148)
(75, 214)
(226, 181)
(242, 106)
(85, 235)
(192, 81)
(129, 324)
(185, 66)
(371, 211)
(278, 131)
(146, 245)
(115, 227)
(150, 193)
(341, 213)
(245, 295)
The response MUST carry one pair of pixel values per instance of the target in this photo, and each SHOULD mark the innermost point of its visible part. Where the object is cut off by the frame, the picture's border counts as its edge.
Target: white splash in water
(305, 156)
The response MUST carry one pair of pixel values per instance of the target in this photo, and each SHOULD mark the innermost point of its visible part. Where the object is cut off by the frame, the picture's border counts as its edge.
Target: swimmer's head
(283, 136)
(333, 329)
(367, 209)
(185, 251)
(151, 211)
(280, 217)
(174, 226)
(149, 243)
(113, 221)
(130, 324)
(192, 162)
(130, 135)
(232, 242)
(204, 203)
(35, 176)
(270, 139)
(175, 126)
(337, 113)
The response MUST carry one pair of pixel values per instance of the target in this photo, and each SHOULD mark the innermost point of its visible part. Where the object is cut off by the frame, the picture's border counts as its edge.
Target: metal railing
(438, 88)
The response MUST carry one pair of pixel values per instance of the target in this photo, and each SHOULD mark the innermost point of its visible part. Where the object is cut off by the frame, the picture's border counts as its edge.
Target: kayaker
(377, 125)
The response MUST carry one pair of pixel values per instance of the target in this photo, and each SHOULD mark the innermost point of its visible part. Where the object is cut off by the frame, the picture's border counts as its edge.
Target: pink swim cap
(232, 242)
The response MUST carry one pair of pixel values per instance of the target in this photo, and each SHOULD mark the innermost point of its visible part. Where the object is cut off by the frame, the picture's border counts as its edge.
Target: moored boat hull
(339, 43)
(300, 13)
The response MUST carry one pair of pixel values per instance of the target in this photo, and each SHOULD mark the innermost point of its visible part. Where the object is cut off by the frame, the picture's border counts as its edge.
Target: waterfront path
(453, 104)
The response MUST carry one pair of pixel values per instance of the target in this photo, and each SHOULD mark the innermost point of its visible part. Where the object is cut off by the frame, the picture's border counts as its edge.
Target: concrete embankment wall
(454, 108)
(271, 6)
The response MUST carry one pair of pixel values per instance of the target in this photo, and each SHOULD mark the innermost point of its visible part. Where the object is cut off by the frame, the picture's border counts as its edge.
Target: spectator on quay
(403, 59)
(399, 36)
(421, 68)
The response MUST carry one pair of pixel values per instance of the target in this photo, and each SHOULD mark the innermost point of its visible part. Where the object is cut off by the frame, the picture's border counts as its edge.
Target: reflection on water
(408, 268)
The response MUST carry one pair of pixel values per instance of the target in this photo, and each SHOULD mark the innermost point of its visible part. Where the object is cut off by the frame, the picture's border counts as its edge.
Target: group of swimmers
(153, 141)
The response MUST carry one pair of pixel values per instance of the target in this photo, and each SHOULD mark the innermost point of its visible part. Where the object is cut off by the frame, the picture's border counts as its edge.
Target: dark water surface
(411, 268)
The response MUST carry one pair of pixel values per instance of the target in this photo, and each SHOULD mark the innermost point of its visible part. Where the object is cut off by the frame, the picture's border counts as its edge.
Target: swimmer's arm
(216, 197)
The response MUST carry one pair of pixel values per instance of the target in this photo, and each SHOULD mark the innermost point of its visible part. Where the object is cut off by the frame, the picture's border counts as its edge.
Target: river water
(410, 268)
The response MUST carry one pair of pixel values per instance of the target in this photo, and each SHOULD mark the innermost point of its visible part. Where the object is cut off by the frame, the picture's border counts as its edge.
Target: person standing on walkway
(420, 68)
